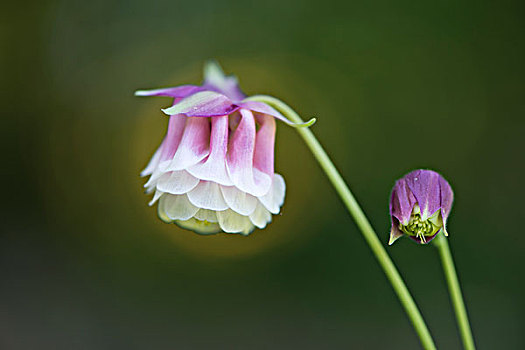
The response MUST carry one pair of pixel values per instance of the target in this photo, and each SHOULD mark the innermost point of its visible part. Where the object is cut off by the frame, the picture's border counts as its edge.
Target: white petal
(261, 216)
(232, 222)
(206, 215)
(155, 197)
(177, 207)
(162, 214)
(207, 195)
(177, 182)
(153, 162)
(198, 226)
(153, 179)
(274, 199)
(239, 201)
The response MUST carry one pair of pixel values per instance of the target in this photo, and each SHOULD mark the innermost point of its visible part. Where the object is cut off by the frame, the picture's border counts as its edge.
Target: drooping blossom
(214, 170)
(420, 204)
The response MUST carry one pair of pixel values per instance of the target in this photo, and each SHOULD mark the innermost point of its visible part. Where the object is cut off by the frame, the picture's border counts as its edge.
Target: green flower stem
(441, 242)
(360, 219)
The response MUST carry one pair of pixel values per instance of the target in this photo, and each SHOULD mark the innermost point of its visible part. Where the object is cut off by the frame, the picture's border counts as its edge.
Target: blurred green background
(86, 264)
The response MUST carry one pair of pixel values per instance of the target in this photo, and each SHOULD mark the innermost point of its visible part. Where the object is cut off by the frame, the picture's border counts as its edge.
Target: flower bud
(419, 206)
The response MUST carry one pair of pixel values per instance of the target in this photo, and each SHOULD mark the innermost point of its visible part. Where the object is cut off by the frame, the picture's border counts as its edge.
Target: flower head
(214, 170)
(420, 204)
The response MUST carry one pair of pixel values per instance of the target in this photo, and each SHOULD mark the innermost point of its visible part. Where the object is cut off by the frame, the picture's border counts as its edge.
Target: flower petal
(424, 184)
(263, 108)
(401, 202)
(447, 197)
(152, 165)
(274, 199)
(264, 145)
(215, 80)
(233, 222)
(213, 168)
(177, 182)
(261, 216)
(239, 201)
(175, 92)
(203, 104)
(240, 159)
(177, 207)
(156, 197)
(193, 147)
(207, 195)
(166, 150)
(206, 215)
(202, 227)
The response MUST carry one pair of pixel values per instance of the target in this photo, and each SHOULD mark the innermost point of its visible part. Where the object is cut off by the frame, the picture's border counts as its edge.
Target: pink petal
(213, 168)
(240, 159)
(193, 146)
(203, 104)
(215, 80)
(175, 92)
(263, 108)
(166, 150)
(264, 145)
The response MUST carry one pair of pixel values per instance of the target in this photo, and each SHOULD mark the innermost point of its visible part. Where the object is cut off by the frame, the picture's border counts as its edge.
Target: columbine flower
(419, 206)
(214, 170)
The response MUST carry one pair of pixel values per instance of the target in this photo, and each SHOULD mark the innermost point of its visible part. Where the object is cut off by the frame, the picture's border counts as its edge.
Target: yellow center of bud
(419, 228)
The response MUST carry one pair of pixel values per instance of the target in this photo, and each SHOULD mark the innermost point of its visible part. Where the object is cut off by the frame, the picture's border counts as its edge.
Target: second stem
(362, 222)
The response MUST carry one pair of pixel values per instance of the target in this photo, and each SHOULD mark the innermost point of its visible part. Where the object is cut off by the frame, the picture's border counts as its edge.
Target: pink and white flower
(214, 170)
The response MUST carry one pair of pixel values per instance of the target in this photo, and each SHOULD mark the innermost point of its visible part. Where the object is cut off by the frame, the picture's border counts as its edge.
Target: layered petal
(233, 222)
(198, 226)
(175, 92)
(203, 104)
(177, 182)
(166, 151)
(239, 201)
(240, 159)
(264, 144)
(193, 146)
(213, 168)
(274, 199)
(263, 108)
(424, 184)
(260, 216)
(447, 197)
(177, 207)
(401, 202)
(154, 162)
(207, 195)
(215, 80)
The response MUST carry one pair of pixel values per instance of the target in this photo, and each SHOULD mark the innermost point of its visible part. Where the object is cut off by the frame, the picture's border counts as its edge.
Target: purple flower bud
(419, 206)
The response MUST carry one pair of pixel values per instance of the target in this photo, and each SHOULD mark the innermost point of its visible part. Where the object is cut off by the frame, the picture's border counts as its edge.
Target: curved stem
(454, 289)
(360, 219)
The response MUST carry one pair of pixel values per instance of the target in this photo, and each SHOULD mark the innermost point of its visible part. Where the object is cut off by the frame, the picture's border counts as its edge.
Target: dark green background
(86, 264)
